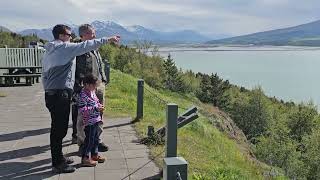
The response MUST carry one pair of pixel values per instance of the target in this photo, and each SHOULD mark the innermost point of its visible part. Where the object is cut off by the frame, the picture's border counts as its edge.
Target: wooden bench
(15, 73)
(9, 79)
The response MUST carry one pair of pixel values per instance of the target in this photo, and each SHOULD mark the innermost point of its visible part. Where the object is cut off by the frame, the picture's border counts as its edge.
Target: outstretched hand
(114, 39)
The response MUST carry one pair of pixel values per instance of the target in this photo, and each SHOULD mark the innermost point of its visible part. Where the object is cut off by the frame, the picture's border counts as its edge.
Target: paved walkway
(25, 150)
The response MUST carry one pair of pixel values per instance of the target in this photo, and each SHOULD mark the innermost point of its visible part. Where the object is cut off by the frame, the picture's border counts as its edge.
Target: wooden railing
(19, 57)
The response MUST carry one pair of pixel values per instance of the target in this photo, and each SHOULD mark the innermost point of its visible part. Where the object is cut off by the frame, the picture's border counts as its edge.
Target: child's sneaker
(98, 158)
(87, 162)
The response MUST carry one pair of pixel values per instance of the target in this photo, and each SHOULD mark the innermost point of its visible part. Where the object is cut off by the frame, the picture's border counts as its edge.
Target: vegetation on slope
(209, 152)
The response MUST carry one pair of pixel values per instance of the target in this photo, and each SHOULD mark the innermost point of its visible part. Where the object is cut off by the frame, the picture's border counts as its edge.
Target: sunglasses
(70, 35)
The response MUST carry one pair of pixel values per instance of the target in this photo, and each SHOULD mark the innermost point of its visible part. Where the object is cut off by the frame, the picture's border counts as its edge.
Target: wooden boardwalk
(25, 150)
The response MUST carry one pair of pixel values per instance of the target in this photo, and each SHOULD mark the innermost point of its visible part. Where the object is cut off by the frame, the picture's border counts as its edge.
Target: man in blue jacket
(58, 76)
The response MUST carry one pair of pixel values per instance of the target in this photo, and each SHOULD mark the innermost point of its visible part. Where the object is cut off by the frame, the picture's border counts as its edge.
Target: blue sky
(209, 17)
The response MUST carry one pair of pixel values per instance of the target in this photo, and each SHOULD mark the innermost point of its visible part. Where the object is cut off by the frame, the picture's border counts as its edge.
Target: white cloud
(233, 17)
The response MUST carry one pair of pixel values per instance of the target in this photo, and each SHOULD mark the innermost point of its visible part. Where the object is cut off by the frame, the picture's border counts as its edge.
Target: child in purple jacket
(90, 109)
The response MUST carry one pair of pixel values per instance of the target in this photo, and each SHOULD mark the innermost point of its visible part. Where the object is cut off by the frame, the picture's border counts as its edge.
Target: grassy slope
(208, 151)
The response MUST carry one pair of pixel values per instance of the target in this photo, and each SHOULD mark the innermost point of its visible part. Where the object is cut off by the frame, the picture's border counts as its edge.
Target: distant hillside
(129, 33)
(305, 34)
(14, 40)
(41, 33)
(4, 29)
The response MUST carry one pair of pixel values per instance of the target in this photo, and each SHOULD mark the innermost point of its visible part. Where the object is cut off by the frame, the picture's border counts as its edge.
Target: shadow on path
(22, 134)
(26, 152)
(26, 170)
(39, 169)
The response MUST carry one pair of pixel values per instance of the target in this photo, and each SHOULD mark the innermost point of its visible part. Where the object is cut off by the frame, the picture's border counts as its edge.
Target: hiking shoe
(68, 160)
(88, 162)
(63, 168)
(98, 158)
(102, 147)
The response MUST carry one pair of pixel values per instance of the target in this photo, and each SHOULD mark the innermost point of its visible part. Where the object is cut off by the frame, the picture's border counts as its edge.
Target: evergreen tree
(218, 88)
(213, 90)
(205, 86)
(172, 80)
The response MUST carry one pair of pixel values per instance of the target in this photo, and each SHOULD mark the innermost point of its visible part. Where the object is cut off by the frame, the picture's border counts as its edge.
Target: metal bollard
(171, 130)
(140, 99)
(174, 167)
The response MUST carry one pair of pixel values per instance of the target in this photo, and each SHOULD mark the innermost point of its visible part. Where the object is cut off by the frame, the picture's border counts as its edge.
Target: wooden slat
(35, 54)
(15, 59)
(33, 57)
(29, 56)
(11, 59)
(23, 58)
(19, 56)
(2, 57)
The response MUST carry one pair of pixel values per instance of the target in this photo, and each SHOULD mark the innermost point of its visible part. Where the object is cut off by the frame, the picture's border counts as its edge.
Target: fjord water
(288, 73)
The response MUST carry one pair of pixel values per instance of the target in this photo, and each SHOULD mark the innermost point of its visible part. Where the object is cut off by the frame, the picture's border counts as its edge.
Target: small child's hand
(101, 108)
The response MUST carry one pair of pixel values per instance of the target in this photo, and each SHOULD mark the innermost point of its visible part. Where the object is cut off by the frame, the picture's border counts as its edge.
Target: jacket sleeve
(84, 108)
(77, 49)
(102, 67)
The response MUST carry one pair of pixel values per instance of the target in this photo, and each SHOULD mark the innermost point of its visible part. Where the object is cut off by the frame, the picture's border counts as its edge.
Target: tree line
(14, 40)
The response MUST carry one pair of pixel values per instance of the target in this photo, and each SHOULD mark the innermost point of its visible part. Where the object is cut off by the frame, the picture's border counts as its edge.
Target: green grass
(209, 152)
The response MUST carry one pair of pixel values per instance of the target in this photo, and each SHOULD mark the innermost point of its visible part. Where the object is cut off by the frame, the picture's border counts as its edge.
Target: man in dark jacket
(88, 63)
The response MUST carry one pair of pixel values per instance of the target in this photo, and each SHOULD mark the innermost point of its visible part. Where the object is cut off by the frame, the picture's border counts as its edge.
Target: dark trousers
(58, 103)
(91, 141)
(74, 120)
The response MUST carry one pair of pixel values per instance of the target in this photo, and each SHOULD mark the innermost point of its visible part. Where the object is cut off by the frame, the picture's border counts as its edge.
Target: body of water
(288, 73)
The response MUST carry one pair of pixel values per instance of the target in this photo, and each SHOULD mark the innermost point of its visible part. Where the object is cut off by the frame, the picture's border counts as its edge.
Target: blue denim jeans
(91, 141)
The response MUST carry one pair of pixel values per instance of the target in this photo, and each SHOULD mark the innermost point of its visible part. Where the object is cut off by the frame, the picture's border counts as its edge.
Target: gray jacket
(59, 62)
(88, 63)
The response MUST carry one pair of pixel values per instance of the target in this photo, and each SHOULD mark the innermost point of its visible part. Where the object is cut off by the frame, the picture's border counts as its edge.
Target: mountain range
(4, 29)
(129, 33)
(301, 35)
